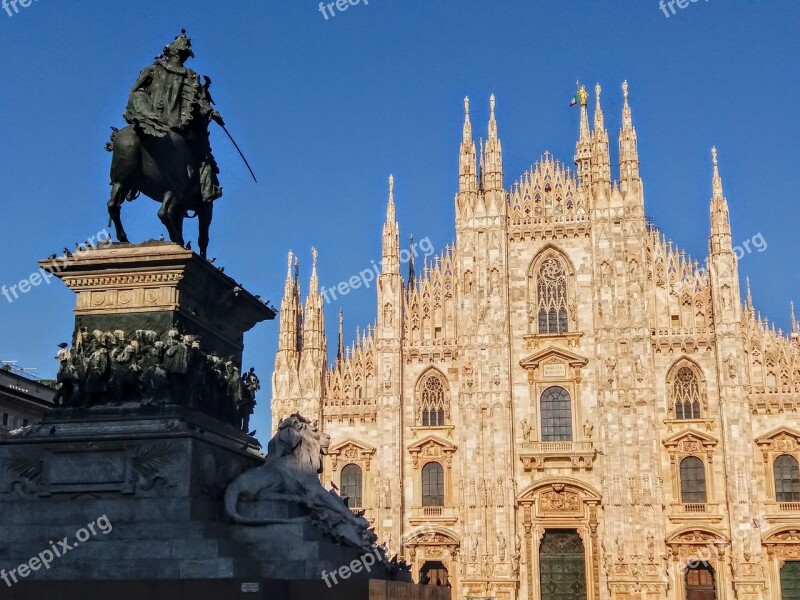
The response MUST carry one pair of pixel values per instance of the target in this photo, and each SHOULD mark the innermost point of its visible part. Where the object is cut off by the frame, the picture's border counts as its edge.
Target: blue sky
(325, 110)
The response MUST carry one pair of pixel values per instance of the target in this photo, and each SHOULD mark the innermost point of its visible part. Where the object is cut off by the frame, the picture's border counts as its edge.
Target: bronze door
(700, 584)
(562, 566)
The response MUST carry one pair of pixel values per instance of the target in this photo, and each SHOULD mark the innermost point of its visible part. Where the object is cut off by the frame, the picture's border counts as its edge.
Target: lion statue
(291, 474)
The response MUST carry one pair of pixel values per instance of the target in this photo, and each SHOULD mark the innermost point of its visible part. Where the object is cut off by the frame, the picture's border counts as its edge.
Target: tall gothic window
(787, 479)
(432, 484)
(686, 394)
(556, 410)
(693, 481)
(551, 296)
(352, 485)
(432, 407)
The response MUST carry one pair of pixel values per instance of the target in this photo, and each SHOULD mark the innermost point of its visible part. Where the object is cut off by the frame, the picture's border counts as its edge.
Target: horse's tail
(110, 143)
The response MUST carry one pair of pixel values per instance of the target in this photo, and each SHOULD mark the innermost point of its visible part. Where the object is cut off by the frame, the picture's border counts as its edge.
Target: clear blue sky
(325, 110)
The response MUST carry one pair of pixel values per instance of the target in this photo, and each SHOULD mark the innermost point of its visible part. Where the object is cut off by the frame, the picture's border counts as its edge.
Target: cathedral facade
(562, 405)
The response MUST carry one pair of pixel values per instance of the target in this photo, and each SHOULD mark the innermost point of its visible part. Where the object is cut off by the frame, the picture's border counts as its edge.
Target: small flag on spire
(580, 96)
(576, 99)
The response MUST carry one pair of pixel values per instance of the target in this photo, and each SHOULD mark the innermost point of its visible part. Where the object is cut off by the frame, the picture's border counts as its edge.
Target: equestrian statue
(164, 152)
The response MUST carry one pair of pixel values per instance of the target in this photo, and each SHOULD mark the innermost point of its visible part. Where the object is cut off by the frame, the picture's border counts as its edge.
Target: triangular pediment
(779, 433)
(553, 353)
(352, 445)
(690, 435)
(432, 440)
(782, 439)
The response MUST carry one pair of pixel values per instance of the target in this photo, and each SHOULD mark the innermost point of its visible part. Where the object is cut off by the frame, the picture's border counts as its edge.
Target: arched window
(787, 479)
(351, 485)
(432, 401)
(432, 484)
(686, 394)
(693, 481)
(551, 296)
(556, 410)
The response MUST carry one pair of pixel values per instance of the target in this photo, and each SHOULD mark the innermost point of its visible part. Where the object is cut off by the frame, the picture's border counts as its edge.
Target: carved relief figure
(526, 430)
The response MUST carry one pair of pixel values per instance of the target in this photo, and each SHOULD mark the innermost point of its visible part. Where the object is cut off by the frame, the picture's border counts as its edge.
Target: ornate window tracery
(686, 393)
(551, 296)
(433, 406)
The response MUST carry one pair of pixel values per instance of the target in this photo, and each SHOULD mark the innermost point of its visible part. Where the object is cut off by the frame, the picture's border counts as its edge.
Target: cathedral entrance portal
(700, 583)
(434, 573)
(562, 568)
(558, 522)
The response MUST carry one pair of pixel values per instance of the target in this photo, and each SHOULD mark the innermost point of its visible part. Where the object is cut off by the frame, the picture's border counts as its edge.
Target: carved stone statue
(526, 430)
(731, 363)
(501, 546)
(290, 474)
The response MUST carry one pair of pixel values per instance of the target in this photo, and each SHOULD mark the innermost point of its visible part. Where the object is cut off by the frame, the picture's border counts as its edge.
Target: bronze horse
(164, 169)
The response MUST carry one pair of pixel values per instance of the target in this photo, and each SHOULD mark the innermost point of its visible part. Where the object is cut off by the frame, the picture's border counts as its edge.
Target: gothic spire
(314, 321)
(390, 208)
(717, 180)
(749, 305)
(467, 138)
(492, 156)
(628, 150)
(313, 288)
(599, 122)
(468, 177)
(340, 347)
(601, 160)
(583, 148)
(411, 283)
(288, 328)
(391, 239)
(720, 219)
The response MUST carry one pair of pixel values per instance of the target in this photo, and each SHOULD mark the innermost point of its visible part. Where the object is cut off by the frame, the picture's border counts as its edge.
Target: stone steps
(217, 568)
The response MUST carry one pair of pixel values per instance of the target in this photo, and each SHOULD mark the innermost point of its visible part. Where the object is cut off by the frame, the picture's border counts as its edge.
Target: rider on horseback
(169, 97)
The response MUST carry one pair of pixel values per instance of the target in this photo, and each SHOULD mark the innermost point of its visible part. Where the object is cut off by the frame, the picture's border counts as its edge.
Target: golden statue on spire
(583, 95)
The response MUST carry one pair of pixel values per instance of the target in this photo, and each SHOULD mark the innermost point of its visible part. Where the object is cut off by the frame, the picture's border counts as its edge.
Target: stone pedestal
(157, 479)
(122, 488)
(160, 286)
(147, 492)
